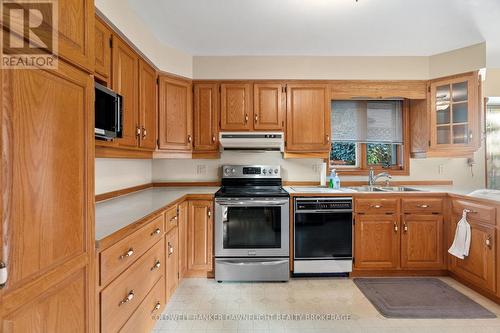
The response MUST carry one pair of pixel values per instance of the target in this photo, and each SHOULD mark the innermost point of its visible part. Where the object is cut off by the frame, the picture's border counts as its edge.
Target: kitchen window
(369, 134)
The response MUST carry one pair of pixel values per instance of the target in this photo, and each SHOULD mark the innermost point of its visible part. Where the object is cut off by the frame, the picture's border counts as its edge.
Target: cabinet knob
(156, 265)
(395, 227)
(423, 206)
(213, 138)
(127, 254)
(190, 138)
(488, 242)
(405, 227)
(128, 298)
(246, 118)
(144, 132)
(376, 206)
(209, 213)
(170, 249)
(173, 219)
(256, 118)
(156, 307)
(156, 232)
(137, 131)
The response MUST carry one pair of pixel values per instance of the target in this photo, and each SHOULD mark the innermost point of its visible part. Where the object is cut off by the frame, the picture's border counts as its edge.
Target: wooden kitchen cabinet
(125, 82)
(172, 266)
(102, 42)
(422, 241)
(175, 114)
(183, 238)
(48, 227)
(147, 105)
(268, 107)
(308, 118)
(206, 117)
(236, 107)
(377, 241)
(454, 115)
(479, 267)
(200, 237)
(76, 32)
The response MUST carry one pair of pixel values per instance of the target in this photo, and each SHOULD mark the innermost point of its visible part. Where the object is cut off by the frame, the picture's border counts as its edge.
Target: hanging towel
(461, 243)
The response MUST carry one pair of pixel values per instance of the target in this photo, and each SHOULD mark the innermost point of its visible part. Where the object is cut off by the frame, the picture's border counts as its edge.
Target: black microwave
(108, 113)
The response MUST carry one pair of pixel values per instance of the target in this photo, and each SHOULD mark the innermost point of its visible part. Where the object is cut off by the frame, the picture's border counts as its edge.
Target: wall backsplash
(114, 174)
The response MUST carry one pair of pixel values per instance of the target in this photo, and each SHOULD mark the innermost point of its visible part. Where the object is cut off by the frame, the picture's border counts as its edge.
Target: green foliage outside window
(343, 153)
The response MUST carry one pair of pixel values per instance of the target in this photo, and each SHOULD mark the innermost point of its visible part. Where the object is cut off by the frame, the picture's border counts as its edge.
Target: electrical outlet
(441, 169)
(201, 169)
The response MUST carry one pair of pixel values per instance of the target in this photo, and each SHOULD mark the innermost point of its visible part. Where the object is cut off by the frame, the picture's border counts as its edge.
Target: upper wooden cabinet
(268, 106)
(102, 41)
(76, 32)
(236, 107)
(147, 105)
(125, 82)
(363, 89)
(48, 228)
(308, 118)
(206, 123)
(175, 114)
(454, 114)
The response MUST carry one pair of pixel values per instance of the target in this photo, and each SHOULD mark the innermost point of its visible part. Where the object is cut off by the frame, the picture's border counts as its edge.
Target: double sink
(366, 188)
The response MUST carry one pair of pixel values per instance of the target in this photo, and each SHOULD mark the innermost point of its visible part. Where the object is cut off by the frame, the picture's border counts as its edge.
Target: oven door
(251, 227)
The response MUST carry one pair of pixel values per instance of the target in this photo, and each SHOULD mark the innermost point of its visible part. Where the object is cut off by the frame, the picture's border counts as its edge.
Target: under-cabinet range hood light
(263, 141)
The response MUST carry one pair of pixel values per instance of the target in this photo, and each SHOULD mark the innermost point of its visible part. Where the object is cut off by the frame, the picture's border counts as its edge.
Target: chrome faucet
(372, 178)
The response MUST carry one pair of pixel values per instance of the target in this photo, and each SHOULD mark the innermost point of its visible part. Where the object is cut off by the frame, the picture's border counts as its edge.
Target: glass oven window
(252, 228)
(319, 235)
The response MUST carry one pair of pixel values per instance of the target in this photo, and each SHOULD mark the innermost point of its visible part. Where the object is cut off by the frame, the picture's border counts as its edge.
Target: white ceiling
(322, 27)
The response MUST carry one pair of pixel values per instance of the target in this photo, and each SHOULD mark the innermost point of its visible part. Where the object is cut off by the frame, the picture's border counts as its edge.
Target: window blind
(367, 121)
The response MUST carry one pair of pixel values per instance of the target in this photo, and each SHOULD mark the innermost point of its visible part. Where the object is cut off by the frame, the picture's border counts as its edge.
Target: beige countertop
(114, 214)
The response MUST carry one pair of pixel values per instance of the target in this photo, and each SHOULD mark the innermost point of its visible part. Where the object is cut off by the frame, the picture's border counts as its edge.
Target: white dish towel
(461, 243)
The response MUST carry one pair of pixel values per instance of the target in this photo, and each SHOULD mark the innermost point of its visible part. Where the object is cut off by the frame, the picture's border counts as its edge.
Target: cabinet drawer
(144, 318)
(376, 206)
(118, 257)
(478, 212)
(120, 299)
(423, 205)
(171, 219)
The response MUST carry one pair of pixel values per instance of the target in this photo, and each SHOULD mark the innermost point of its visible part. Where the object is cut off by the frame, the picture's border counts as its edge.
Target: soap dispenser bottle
(336, 181)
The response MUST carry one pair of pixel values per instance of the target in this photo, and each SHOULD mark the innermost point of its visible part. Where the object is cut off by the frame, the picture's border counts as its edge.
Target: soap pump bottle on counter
(334, 180)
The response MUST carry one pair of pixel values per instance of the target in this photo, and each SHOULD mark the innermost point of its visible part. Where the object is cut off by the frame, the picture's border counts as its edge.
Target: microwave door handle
(224, 214)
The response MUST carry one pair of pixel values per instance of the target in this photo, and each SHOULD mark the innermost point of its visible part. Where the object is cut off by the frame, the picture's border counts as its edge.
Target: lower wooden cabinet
(172, 266)
(479, 267)
(200, 237)
(376, 242)
(146, 315)
(422, 241)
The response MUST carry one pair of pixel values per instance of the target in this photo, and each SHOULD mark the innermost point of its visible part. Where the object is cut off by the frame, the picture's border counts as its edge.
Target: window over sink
(369, 134)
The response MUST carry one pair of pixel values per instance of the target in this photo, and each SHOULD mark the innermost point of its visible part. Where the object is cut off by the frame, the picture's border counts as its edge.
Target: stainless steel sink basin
(384, 189)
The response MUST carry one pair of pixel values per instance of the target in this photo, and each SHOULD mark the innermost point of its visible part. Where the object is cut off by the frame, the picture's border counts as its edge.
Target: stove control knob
(227, 171)
(233, 170)
(270, 171)
(264, 171)
(276, 171)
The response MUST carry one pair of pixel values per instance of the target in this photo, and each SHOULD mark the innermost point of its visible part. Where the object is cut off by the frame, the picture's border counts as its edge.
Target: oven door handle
(253, 203)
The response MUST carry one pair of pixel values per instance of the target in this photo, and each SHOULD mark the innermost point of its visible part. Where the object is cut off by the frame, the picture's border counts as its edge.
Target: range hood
(266, 141)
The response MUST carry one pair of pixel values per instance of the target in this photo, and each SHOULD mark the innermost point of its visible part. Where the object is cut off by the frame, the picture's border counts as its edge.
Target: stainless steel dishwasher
(322, 236)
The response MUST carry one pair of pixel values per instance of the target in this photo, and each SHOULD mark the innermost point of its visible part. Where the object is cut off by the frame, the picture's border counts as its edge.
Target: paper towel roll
(322, 177)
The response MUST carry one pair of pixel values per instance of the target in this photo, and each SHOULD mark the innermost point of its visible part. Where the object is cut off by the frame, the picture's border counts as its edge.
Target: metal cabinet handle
(156, 232)
(137, 131)
(156, 307)
(376, 206)
(488, 242)
(129, 253)
(209, 213)
(395, 227)
(144, 132)
(256, 118)
(423, 206)
(213, 138)
(190, 138)
(246, 118)
(173, 219)
(170, 249)
(405, 227)
(470, 211)
(156, 265)
(128, 298)
(327, 138)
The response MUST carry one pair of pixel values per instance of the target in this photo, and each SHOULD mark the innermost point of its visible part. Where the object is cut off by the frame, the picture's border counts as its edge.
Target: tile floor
(337, 296)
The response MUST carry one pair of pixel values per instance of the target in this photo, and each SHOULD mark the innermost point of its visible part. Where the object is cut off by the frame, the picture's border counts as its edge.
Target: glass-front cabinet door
(454, 114)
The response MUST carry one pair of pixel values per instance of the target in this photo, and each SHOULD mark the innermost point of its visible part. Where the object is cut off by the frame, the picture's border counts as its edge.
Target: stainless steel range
(251, 225)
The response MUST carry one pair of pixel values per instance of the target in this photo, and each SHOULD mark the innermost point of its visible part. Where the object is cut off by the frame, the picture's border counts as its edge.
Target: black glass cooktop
(251, 191)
